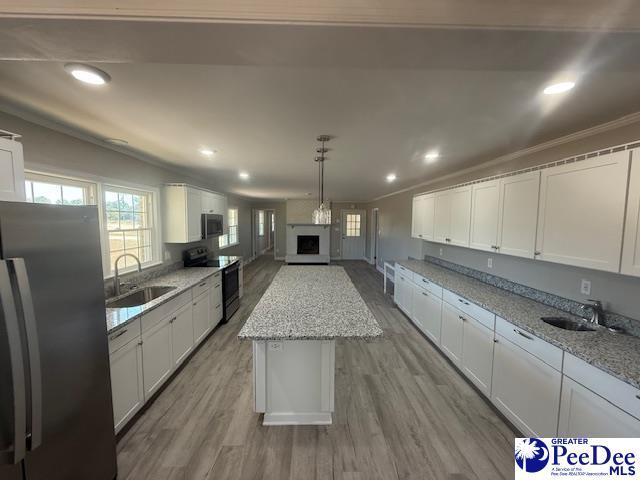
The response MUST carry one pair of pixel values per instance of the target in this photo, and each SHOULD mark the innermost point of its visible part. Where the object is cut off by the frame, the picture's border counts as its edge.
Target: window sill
(133, 270)
(229, 245)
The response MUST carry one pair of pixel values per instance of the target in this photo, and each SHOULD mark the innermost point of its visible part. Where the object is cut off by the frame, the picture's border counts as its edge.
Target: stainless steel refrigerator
(56, 420)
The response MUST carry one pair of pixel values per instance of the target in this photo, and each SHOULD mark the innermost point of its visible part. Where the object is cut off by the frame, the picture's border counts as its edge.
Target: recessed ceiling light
(87, 73)
(243, 175)
(116, 141)
(431, 156)
(556, 88)
(391, 177)
(207, 152)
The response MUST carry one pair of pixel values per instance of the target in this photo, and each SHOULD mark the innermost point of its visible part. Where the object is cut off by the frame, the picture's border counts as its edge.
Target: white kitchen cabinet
(485, 208)
(182, 341)
(460, 221)
(442, 216)
(451, 333)
(11, 171)
(581, 213)
(240, 278)
(422, 217)
(127, 387)
(525, 389)
(402, 293)
(157, 360)
(477, 353)
(584, 413)
(201, 316)
(215, 301)
(215, 203)
(631, 245)
(518, 214)
(182, 213)
(427, 312)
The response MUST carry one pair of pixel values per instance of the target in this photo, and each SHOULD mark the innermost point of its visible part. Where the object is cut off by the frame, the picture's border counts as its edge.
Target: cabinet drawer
(202, 287)
(157, 314)
(620, 393)
(546, 352)
(427, 284)
(483, 316)
(400, 269)
(124, 335)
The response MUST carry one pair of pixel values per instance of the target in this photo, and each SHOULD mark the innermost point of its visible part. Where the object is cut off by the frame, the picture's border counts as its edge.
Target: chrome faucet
(116, 275)
(597, 313)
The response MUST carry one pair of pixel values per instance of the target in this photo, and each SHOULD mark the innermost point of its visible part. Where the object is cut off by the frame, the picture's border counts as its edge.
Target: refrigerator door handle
(10, 315)
(33, 346)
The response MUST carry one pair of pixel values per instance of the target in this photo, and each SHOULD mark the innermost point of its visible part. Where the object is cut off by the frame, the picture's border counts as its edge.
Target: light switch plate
(585, 287)
(489, 262)
(441, 252)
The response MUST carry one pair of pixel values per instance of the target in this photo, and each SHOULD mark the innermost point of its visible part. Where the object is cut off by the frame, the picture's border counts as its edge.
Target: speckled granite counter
(616, 354)
(310, 303)
(183, 279)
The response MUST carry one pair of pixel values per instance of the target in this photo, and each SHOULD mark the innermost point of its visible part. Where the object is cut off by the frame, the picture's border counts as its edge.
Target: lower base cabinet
(525, 389)
(584, 413)
(201, 316)
(402, 293)
(477, 353)
(427, 313)
(156, 356)
(451, 334)
(182, 334)
(126, 382)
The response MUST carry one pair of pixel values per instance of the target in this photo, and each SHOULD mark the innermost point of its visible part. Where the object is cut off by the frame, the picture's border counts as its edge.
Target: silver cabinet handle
(219, 305)
(537, 253)
(10, 315)
(462, 318)
(528, 337)
(462, 301)
(217, 286)
(425, 280)
(173, 319)
(33, 347)
(425, 294)
(203, 284)
(119, 334)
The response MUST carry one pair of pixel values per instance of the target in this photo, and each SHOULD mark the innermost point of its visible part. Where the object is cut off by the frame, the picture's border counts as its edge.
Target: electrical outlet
(167, 256)
(276, 346)
(489, 262)
(441, 252)
(585, 287)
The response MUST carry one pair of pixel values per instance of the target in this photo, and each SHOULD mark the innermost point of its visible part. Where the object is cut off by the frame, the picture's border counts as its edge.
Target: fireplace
(308, 245)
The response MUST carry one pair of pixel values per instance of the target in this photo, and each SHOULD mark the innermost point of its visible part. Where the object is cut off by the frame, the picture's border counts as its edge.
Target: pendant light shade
(322, 214)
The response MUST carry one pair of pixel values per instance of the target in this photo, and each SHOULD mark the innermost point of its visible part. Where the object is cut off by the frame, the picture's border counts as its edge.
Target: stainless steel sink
(568, 324)
(139, 297)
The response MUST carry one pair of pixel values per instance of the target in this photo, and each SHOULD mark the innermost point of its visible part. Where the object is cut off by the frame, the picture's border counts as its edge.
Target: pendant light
(322, 214)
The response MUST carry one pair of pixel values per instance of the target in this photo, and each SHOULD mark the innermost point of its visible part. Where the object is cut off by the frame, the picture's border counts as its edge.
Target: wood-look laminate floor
(402, 411)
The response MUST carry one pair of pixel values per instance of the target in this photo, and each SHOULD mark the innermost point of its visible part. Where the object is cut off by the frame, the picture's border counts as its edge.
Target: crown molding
(572, 137)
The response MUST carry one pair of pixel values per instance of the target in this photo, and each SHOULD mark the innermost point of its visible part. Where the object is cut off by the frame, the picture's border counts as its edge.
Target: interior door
(353, 234)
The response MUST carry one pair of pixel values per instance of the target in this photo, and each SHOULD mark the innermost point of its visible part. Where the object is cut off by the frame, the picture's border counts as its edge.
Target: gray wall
(46, 149)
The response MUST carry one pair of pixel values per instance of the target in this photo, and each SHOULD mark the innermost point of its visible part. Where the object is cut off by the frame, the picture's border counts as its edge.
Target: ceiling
(260, 94)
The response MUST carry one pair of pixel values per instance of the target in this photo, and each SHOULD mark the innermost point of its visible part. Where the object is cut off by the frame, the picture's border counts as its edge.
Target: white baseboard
(319, 418)
(279, 259)
(295, 258)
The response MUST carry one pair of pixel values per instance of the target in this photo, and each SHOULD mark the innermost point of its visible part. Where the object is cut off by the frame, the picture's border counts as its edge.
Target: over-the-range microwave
(211, 225)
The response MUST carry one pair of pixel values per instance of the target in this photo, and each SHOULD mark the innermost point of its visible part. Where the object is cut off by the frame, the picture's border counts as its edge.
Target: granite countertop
(311, 303)
(182, 279)
(616, 354)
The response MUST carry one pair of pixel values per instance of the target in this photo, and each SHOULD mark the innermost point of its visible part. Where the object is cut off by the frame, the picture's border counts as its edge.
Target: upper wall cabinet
(485, 208)
(183, 206)
(631, 248)
(217, 204)
(452, 215)
(422, 217)
(581, 213)
(441, 216)
(11, 171)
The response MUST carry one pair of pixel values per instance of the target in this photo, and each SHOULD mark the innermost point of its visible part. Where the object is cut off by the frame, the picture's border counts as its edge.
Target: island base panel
(293, 381)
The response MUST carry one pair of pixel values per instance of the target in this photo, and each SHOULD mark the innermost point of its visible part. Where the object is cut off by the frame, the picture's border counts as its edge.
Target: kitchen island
(294, 329)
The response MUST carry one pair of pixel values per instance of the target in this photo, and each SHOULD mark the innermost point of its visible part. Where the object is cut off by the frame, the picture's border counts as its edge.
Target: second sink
(568, 324)
(139, 297)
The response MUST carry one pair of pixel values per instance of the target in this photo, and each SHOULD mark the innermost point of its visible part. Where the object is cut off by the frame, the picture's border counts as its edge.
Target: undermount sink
(568, 324)
(139, 296)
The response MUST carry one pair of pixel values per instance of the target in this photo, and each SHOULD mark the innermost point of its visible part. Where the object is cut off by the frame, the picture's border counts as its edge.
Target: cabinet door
(441, 216)
(215, 302)
(201, 316)
(11, 171)
(157, 363)
(208, 202)
(427, 313)
(194, 214)
(428, 211)
(581, 213)
(127, 387)
(460, 222)
(417, 216)
(451, 333)
(477, 353)
(402, 294)
(631, 245)
(584, 413)
(182, 334)
(525, 389)
(518, 214)
(485, 203)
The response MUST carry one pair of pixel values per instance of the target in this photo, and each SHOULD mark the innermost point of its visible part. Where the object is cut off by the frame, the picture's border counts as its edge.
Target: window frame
(50, 178)
(226, 236)
(261, 222)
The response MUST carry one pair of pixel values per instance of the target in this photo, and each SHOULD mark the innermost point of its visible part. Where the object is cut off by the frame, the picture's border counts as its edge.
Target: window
(129, 226)
(261, 223)
(353, 224)
(273, 222)
(56, 190)
(230, 238)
